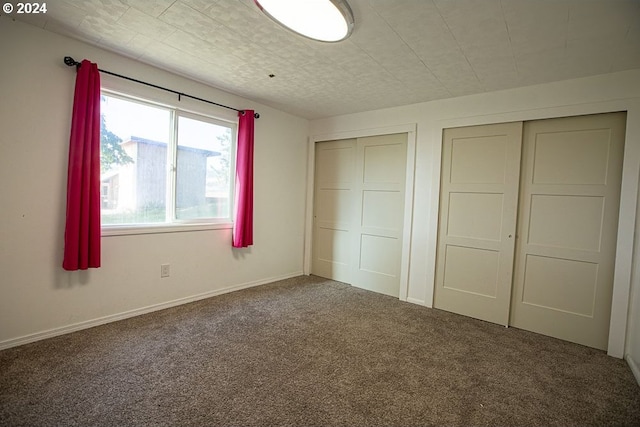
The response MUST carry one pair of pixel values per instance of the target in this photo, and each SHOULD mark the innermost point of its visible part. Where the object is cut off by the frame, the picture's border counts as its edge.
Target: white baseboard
(634, 367)
(14, 342)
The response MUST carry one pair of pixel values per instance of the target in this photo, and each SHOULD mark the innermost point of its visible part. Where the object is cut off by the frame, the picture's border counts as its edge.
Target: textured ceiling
(401, 51)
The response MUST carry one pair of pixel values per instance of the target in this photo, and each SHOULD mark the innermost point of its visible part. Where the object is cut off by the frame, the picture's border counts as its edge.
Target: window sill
(127, 230)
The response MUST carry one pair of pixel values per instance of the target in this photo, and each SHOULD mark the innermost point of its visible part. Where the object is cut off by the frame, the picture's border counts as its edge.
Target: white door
(478, 207)
(570, 195)
(359, 211)
(334, 209)
(380, 187)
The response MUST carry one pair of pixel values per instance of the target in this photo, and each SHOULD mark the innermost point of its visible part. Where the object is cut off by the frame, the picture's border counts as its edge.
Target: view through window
(161, 165)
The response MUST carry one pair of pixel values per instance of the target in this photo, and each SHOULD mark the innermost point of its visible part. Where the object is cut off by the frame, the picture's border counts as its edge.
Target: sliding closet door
(478, 206)
(358, 217)
(380, 187)
(570, 197)
(334, 209)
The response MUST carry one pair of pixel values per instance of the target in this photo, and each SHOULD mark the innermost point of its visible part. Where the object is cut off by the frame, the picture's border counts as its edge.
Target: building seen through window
(160, 165)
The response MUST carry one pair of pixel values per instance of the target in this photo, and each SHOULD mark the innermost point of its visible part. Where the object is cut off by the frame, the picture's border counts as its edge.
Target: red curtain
(243, 224)
(82, 230)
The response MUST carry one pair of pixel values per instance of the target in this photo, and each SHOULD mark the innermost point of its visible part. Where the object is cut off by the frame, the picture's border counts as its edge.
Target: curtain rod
(72, 62)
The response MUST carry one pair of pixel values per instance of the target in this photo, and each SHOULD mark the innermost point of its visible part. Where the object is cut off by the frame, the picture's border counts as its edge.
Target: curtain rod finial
(69, 61)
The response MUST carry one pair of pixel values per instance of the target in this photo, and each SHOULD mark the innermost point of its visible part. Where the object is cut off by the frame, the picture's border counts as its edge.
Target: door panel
(478, 206)
(484, 153)
(574, 294)
(380, 187)
(380, 209)
(378, 257)
(569, 201)
(334, 209)
(578, 157)
(472, 270)
(577, 221)
(485, 224)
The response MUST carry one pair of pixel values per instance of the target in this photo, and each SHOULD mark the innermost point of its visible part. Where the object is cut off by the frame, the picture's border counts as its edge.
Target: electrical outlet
(164, 270)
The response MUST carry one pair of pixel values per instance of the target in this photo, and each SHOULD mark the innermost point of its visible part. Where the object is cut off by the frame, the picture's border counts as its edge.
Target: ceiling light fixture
(323, 20)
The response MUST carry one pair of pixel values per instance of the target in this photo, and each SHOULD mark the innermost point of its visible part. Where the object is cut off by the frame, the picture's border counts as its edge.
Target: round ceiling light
(323, 20)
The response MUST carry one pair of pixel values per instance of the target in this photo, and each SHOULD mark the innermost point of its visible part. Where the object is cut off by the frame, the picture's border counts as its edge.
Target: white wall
(633, 344)
(613, 92)
(37, 297)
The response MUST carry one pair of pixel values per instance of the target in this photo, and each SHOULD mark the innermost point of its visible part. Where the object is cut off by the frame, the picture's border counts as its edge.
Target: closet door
(334, 209)
(359, 211)
(570, 195)
(478, 207)
(380, 187)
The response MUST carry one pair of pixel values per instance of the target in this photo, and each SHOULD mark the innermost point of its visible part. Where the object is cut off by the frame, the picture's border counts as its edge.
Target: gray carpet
(311, 352)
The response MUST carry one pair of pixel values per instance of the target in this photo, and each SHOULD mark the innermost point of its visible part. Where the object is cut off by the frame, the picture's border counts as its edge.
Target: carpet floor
(311, 352)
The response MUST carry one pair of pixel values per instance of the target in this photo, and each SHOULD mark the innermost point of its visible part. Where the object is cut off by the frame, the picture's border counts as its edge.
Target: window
(160, 165)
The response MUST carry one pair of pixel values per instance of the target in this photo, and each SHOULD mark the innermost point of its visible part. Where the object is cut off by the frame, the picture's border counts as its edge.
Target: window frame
(171, 223)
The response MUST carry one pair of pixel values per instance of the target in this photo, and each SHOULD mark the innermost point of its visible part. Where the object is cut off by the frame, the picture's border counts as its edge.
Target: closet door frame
(628, 199)
(410, 130)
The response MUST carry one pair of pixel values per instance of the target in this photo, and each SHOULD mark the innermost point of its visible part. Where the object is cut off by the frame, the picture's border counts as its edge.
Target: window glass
(152, 173)
(203, 170)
